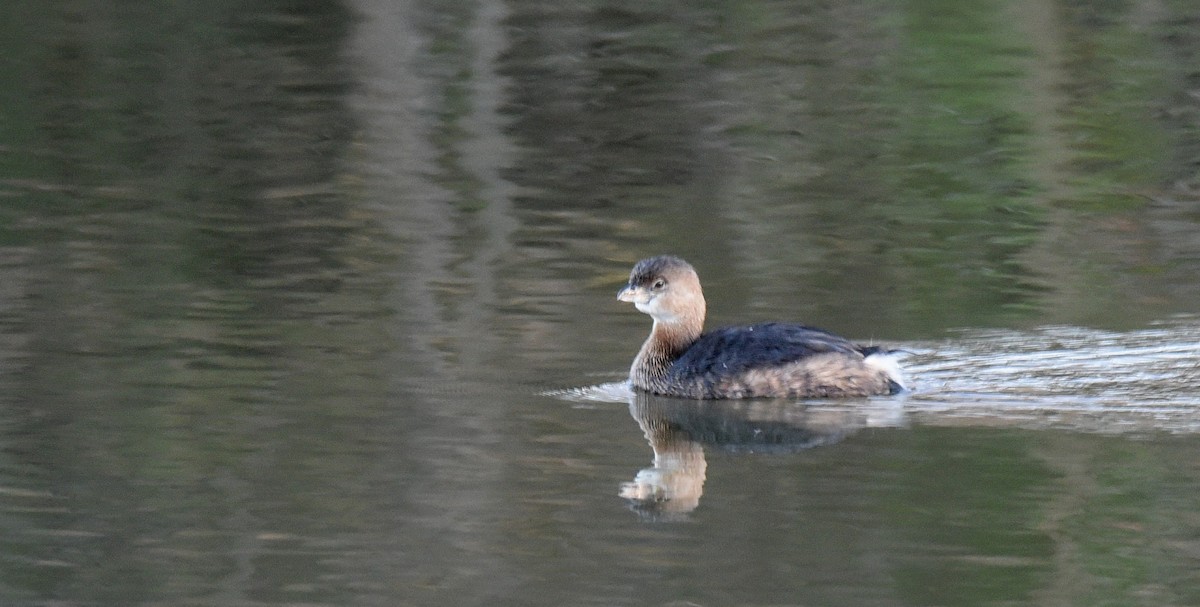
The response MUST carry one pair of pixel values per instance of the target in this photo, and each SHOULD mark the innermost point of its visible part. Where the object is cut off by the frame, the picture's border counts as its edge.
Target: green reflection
(971, 510)
(255, 348)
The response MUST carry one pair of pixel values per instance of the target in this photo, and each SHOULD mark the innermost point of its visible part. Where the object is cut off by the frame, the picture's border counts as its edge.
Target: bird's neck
(666, 343)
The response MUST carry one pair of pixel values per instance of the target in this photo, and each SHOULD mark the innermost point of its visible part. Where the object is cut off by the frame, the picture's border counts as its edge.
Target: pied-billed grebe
(764, 360)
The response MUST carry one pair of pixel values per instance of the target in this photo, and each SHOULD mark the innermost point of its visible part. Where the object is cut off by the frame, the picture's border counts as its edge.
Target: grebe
(763, 360)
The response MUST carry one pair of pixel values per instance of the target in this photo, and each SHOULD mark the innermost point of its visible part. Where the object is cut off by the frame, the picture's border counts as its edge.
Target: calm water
(312, 303)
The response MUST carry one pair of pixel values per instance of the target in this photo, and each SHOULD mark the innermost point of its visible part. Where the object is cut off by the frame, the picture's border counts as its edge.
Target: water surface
(313, 303)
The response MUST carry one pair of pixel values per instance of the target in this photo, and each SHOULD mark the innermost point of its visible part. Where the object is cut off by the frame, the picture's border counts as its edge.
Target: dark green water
(312, 303)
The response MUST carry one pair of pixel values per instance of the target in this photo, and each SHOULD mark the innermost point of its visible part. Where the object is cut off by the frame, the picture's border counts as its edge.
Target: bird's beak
(627, 293)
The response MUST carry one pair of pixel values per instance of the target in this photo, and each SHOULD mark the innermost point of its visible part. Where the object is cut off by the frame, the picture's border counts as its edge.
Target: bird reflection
(678, 431)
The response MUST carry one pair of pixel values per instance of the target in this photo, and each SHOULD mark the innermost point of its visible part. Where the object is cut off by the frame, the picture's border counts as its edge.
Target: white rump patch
(887, 363)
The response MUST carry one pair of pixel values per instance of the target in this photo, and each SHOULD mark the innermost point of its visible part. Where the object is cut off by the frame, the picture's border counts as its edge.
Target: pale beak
(632, 294)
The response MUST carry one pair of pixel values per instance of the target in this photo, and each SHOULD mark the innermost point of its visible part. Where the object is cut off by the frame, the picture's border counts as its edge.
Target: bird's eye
(660, 283)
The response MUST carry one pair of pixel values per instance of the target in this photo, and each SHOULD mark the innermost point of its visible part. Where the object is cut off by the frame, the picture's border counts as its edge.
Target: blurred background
(313, 302)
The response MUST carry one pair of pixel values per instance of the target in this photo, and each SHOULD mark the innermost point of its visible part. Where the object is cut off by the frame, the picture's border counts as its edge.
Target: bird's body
(762, 360)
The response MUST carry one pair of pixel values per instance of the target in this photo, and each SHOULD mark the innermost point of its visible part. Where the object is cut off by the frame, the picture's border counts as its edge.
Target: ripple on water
(1061, 377)
(1070, 377)
(610, 392)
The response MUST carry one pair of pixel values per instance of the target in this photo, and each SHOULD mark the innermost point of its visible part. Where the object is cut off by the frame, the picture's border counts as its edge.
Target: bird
(773, 359)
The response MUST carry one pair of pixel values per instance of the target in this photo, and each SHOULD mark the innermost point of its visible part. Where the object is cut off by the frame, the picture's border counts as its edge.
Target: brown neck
(665, 344)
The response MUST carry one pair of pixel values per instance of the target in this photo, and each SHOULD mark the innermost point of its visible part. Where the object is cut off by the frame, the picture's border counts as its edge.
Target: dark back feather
(737, 349)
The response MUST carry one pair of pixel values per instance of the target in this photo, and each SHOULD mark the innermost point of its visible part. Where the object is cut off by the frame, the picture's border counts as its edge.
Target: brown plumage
(764, 360)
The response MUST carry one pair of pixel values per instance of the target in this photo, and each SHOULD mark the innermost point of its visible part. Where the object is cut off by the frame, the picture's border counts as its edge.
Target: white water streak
(1067, 378)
